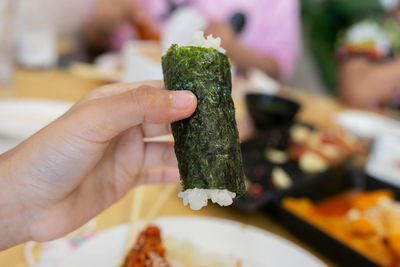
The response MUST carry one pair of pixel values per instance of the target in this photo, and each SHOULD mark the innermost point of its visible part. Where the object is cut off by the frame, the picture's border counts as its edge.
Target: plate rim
(221, 221)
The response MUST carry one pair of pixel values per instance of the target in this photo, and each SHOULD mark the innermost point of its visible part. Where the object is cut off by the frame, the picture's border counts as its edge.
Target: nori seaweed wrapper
(207, 144)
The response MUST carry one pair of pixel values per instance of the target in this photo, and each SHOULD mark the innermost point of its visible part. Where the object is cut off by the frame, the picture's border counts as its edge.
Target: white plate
(255, 247)
(20, 118)
(367, 124)
(7, 143)
(384, 159)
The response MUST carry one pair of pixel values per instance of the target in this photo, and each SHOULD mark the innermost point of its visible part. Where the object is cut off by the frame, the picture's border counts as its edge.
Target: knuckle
(143, 94)
(149, 99)
(88, 109)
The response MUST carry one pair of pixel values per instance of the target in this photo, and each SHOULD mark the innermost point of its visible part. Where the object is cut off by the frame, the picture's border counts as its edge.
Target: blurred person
(52, 28)
(89, 158)
(322, 22)
(369, 63)
(68, 25)
(348, 67)
(261, 34)
(112, 22)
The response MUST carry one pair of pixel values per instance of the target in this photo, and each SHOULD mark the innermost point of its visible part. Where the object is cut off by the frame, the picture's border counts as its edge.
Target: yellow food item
(301, 206)
(311, 162)
(276, 156)
(369, 199)
(361, 227)
(280, 178)
(300, 134)
(394, 242)
(369, 222)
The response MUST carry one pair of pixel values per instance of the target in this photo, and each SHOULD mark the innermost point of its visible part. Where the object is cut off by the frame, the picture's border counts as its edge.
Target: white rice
(209, 42)
(198, 198)
(185, 253)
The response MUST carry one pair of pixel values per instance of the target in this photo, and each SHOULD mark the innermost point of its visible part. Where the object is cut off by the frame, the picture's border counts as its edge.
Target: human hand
(244, 57)
(88, 159)
(223, 30)
(117, 12)
(112, 11)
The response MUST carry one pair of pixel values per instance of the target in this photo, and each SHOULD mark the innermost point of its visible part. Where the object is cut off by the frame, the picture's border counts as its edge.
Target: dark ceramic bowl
(269, 111)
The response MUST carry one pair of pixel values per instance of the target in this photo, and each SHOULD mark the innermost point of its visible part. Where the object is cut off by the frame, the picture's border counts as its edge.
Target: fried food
(369, 222)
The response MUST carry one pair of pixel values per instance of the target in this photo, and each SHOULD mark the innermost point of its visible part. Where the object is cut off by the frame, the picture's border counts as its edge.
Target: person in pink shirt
(265, 33)
(269, 39)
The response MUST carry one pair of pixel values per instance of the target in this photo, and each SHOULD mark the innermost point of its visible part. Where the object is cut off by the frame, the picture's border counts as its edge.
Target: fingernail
(181, 99)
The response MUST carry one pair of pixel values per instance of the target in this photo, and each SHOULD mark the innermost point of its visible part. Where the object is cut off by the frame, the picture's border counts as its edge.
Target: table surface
(56, 84)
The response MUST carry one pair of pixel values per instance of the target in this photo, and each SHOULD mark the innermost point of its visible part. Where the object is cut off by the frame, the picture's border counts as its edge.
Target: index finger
(105, 117)
(116, 89)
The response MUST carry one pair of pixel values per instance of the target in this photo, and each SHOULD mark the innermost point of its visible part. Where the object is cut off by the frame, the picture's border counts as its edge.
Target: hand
(241, 55)
(224, 31)
(112, 11)
(88, 159)
(117, 12)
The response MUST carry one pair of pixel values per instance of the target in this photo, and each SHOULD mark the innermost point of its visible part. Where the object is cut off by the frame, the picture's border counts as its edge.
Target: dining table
(62, 84)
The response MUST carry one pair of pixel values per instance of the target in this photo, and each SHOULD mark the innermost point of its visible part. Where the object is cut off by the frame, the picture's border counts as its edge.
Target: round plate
(367, 124)
(253, 246)
(20, 118)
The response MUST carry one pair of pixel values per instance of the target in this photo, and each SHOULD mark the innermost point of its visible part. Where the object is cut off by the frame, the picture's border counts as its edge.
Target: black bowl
(269, 111)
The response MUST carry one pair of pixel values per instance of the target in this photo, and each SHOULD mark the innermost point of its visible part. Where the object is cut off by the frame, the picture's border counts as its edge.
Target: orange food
(331, 144)
(369, 199)
(369, 222)
(361, 227)
(148, 250)
(338, 206)
(394, 241)
(146, 32)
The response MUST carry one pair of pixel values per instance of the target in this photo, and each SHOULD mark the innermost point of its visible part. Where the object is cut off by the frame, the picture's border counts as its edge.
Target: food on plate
(280, 178)
(254, 189)
(184, 253)
(300, 134)
(311, 162)
(207, 143)
(307, 153)
(148, 251)
(276, 156)
(369, 222)
(317, 150)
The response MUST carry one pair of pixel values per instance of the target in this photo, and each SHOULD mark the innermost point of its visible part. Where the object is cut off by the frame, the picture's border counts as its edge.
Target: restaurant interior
(199, 133)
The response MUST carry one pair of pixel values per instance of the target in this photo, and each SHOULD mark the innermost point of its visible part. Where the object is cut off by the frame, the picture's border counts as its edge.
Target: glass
(37, 35)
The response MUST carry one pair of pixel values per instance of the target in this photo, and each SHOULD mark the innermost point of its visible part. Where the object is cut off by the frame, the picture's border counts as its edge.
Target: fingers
(159, 164)
(103, 118)
(159, 176)
(159, 155)
(118, 88)
(152, 130)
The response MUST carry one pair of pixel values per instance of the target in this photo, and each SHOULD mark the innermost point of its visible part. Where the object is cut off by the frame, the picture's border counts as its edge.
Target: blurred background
(316, 85)
(310, 51)
(316, 45)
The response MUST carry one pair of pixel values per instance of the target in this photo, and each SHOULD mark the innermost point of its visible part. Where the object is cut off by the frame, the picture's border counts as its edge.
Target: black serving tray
(258, 171)
(325, 186)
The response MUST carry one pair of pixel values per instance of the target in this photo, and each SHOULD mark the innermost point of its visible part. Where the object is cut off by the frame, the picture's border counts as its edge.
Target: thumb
(104, 118)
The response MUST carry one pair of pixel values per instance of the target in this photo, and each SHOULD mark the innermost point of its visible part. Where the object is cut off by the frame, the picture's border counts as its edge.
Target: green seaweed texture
(207, 144)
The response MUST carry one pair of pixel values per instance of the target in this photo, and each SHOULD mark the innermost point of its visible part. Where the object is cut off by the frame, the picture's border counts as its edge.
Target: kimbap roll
(207, 143)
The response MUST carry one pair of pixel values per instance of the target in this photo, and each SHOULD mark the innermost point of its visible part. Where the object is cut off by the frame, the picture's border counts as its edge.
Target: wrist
(13, 226)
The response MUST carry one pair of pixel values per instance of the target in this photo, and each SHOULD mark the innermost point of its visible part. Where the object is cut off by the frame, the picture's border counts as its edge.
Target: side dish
(369, 222)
